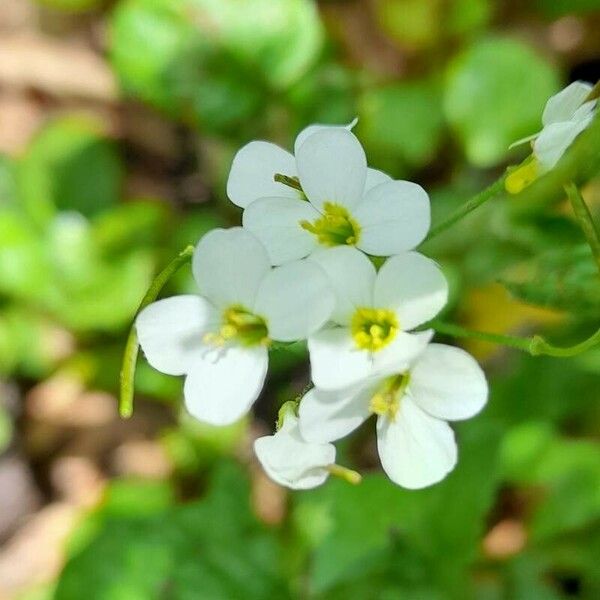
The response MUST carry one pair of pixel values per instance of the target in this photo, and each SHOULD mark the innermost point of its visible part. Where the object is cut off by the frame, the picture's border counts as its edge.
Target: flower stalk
(535, 345)
(132, 347)
(469, 206)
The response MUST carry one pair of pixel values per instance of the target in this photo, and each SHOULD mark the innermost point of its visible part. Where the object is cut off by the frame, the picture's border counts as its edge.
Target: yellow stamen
(335, 227)
(386, 401)
(373, 328)
(241, 325)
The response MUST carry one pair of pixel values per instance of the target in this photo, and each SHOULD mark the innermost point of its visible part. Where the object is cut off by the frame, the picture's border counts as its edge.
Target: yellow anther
(335, 227)
(241, 325)
(386, 400)
(524, 175)
(373, 328)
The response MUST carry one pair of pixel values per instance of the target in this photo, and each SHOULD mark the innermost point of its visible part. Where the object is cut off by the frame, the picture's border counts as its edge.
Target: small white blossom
(290, 460)
(565, 116)
(348, 203)
(416, 445)
(219, 339)
(374, 313)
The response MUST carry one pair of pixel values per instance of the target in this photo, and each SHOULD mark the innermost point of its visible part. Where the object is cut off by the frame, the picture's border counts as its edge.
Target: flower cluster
(565, 116)
(301, 268)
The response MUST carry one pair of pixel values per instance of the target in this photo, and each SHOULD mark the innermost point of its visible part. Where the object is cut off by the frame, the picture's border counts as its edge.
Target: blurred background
(118, 123)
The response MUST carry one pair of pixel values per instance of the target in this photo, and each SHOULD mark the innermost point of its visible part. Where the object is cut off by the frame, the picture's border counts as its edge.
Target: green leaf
(69, 166)
(209, 62)
(401, 123)
(213, 549)
(437, 528)
(495, 93)
(562, 278)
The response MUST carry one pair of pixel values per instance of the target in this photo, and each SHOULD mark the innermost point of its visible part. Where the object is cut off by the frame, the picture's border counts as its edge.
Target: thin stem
(469, 206)
(583, 215)
(132, 346)
(536, 345)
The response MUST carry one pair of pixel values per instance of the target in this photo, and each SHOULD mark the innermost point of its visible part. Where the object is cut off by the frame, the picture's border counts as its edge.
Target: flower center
(241, 325)
(373, 328)
(386, 400)
(335, 227)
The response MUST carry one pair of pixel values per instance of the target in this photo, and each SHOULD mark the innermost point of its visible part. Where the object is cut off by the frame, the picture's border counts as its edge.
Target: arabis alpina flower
(373, 314)
(290, 460)
(219, 339)
(338, 200)
(416, 445)
(565, 116)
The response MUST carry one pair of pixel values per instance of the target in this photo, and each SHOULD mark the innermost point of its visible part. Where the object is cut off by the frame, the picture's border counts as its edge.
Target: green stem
(583, 215)
(132, 346)
(536, 345)
(469, 206)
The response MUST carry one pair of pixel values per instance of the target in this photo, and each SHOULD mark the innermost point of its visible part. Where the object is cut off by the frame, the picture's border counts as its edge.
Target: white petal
(448, 383)
(291, 461)
(296, 299)
(416, 450)
(229, 265)
(352, 277)
(394, 217)
(374, 178)
(561, 106)
(414, 286)
(252, 172)
(402, 351)
(551, 144)
(170, 332)
(222, 386)
(332, 168)
(335, 361)
(330, 416)
(308, 131)
(276, 223)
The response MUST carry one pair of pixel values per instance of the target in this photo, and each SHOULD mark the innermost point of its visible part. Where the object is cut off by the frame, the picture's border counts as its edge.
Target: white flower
(290, 460)
(219, 339)
(416, 445)
(373, 313)
(348, 203)
(565, 116)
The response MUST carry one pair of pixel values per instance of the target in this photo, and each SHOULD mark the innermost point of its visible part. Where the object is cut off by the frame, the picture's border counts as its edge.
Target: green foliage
(422, 539)
(210, 63)
(69, 166)
(401, 124)
(140, 545)
(495, 94)
(563, 278)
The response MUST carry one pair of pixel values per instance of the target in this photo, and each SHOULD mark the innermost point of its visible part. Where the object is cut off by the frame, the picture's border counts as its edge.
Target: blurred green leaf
(134, 224)
(563, 278)
(495, 93)
(87, 291)
(566, 472)
(209, 62)
(401, 124)
(437, 528)
(23, 260)
(213, 548)
(69, 165)
(557, 8)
